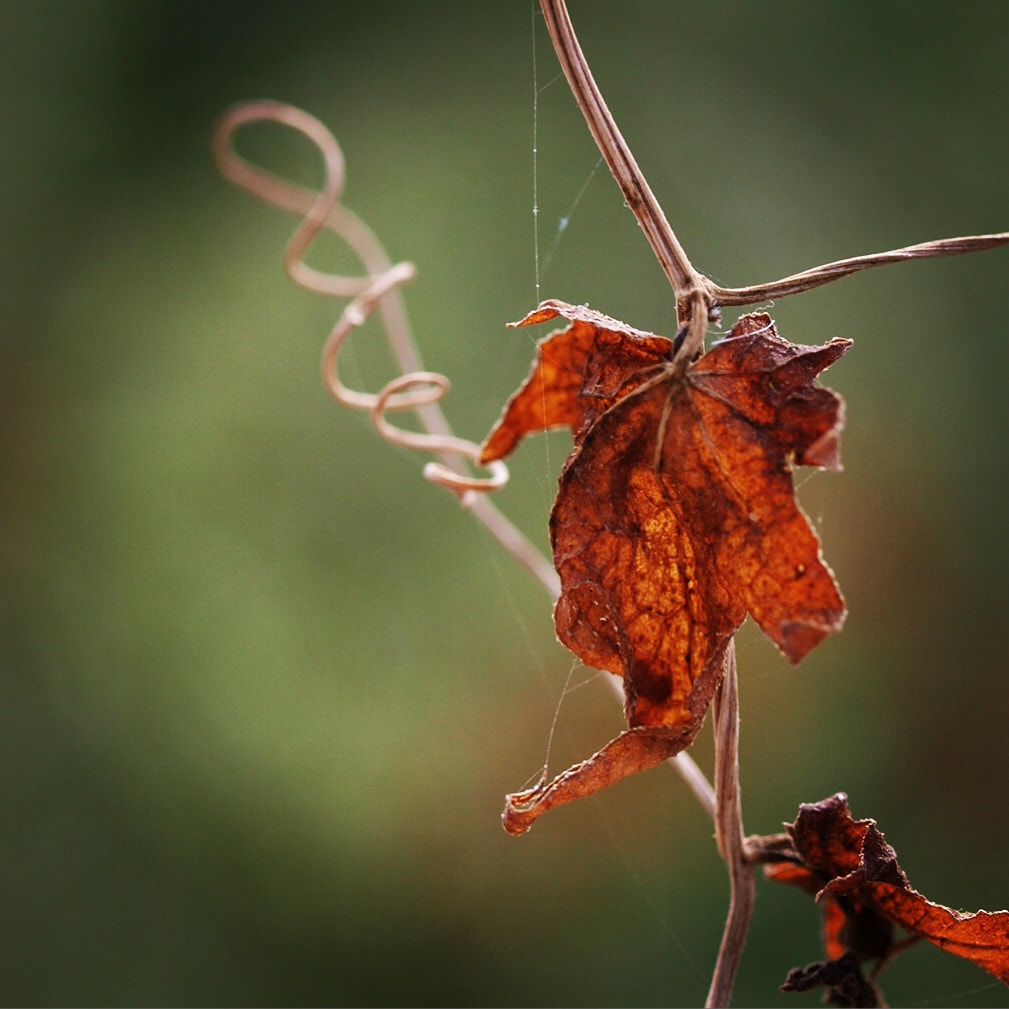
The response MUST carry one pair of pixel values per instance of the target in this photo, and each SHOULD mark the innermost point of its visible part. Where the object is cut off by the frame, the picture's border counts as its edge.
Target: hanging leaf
(675, 516)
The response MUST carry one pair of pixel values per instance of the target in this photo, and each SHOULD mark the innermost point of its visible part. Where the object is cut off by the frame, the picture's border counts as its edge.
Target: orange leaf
(850, 868)
(675, 516)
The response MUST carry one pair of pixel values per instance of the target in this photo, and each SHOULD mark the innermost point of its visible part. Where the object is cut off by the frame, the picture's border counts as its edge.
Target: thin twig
(690, 287)
(698, 297)
(626, 172)
(819, 275)
(729, 834)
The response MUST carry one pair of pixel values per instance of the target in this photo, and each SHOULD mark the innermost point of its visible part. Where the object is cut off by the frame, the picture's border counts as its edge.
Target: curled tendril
(377, 290)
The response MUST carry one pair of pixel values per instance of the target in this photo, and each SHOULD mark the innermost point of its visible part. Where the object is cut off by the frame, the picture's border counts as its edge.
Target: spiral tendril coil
(376, 290)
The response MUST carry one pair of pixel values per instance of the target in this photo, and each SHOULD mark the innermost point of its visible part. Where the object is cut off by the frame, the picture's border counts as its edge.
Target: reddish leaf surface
(851, 870)
(675, 516)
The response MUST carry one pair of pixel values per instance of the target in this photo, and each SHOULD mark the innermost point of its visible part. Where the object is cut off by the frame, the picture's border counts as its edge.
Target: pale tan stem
(697, 296)
(729, 835)
(820, 275)
(376, 289)
(638, 194)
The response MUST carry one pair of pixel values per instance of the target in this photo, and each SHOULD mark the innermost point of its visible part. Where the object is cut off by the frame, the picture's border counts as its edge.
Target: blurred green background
(262, 688)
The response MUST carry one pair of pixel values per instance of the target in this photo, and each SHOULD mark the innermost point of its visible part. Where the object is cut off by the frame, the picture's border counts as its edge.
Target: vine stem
(697, 296)
(729, 834)
(638, 194)
(829, 272)
(692, 296)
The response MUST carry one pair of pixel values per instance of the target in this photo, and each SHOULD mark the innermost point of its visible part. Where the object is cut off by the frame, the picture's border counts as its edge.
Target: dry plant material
(675, 516)
(848, 867)
(374, 292)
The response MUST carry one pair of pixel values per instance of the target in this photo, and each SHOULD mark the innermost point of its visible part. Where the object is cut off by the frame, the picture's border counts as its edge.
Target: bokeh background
(262, 688)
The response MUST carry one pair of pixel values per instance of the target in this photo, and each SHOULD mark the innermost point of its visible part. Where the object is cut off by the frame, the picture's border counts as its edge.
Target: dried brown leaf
(675, 516)
(851, 870)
